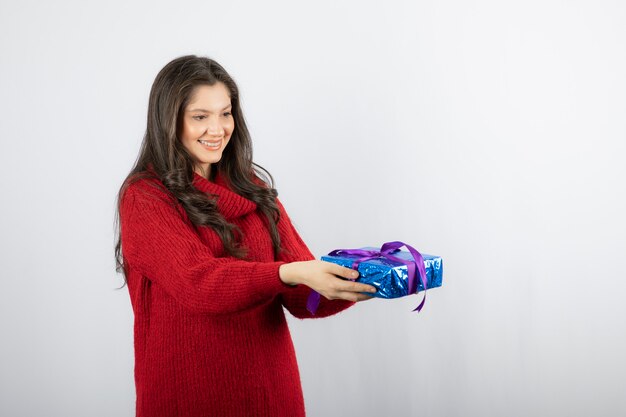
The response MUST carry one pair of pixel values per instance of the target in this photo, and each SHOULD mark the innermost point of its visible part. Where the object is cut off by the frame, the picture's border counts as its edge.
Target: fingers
(349, 286)
(364, 297)
(351, 274)
(351, 296)
(348, 290)
(342, 271)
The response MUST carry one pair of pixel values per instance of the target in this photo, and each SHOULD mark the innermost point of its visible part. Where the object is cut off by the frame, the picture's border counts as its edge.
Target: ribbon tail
(313, 301)
(419, 307)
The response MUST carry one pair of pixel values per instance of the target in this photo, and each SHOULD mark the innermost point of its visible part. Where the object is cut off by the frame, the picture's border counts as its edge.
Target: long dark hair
(163, 156)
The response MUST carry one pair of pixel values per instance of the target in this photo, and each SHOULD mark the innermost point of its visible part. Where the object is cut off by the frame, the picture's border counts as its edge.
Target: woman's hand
(322, 277)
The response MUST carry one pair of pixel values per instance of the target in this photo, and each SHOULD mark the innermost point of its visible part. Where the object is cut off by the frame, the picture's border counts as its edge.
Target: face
(207, 125)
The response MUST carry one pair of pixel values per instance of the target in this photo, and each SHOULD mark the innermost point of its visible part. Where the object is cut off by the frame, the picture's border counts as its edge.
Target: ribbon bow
(386, 251)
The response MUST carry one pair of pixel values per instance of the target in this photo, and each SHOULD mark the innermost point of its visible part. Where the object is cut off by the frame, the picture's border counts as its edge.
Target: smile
(210, 145)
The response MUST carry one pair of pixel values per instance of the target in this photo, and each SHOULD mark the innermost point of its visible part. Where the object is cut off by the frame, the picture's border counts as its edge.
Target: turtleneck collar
(229, 203)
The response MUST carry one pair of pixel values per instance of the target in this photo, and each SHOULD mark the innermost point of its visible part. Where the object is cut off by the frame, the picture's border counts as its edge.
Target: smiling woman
(211, 257)
(207, 126)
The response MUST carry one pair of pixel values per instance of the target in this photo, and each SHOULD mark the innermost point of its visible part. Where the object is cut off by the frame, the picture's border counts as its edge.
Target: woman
(210, 258)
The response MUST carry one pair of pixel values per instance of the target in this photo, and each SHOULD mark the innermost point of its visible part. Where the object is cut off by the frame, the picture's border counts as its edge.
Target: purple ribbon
(386, 251)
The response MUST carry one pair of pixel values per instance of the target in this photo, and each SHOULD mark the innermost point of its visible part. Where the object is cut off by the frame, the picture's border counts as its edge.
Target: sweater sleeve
(165, 248)
(294, 298)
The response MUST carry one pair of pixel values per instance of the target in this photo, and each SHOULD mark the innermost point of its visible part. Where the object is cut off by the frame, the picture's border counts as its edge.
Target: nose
(214, 127)
(215, 130)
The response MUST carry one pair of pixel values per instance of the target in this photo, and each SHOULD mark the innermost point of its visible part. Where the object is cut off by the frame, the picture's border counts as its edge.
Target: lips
(210, 144)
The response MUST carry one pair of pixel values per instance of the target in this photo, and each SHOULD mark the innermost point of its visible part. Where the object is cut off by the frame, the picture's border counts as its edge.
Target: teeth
(212, 145)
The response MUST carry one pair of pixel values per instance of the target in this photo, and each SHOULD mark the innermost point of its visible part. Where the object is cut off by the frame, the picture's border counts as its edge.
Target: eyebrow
(207, 111)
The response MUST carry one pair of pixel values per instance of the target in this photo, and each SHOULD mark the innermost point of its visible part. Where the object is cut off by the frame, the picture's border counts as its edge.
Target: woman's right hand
(323, 277)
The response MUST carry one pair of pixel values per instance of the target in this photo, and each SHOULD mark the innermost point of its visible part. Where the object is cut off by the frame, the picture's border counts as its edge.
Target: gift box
(395, 273)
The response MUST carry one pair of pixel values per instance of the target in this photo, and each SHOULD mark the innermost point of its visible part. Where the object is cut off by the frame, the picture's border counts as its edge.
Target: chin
(213, 160)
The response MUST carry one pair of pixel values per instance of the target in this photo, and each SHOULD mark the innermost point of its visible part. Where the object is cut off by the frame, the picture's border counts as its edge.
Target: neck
(204, 171)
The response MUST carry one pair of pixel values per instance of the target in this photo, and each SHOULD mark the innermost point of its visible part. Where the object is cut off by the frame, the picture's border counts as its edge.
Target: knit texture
(210, 333)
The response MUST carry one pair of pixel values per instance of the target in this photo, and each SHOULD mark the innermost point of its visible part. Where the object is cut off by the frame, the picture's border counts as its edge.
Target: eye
(227, 114)
(198, 117)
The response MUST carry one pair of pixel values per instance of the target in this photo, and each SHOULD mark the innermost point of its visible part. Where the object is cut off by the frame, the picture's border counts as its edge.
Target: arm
(165, 248)
(294, 298)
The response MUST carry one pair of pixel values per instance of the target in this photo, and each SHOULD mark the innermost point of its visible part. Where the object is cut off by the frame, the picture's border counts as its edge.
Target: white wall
(491, 133)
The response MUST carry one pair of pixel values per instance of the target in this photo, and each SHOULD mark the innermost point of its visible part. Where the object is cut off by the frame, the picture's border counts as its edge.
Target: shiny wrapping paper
(391, 277)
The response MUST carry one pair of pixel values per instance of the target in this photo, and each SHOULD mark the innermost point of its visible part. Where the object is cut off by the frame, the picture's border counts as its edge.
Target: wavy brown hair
(163, 156)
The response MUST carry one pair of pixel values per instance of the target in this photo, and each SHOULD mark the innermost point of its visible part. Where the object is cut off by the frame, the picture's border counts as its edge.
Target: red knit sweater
(210, 333)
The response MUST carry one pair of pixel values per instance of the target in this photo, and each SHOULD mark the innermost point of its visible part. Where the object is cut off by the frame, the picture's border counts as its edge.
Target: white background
(491, 133)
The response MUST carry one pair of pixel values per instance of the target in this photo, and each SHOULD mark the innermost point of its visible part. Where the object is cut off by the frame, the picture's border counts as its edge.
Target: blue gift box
(391, 278)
